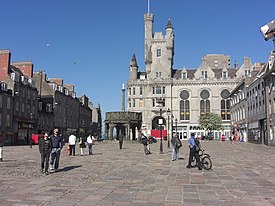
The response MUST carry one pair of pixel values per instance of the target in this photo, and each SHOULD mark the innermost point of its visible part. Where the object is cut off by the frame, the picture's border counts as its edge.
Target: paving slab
(242, 174)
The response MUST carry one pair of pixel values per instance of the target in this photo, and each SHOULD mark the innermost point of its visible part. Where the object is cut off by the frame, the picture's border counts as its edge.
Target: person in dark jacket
(45, 147)
(57, 144)
(176, 144)
(120, 140)
(2, 141)
(193, 153)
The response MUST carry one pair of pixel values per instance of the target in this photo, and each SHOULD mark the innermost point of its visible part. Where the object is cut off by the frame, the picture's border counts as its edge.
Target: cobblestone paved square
(243, 174)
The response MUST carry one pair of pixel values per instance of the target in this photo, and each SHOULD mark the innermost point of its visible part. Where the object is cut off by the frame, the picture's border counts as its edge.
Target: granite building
(184, 93)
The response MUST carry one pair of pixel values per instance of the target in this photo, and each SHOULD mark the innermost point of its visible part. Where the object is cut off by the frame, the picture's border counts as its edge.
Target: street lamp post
(30, 134)
(160, 124)
(160, 121)
(176, 121)
(168, 128)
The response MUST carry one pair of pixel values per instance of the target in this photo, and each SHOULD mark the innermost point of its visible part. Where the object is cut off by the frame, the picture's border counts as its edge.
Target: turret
(170, 41)
(133, 68)
(148, 21)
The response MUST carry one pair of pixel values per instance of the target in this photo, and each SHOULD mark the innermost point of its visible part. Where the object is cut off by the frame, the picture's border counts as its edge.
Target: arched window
(204, 103)
(225, 105)
(184, 106)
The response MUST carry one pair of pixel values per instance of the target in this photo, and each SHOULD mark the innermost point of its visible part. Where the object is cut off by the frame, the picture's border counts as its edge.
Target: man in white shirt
(72, 141)
(90, 142)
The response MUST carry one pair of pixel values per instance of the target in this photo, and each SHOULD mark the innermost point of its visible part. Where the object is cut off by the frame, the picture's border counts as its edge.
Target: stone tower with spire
(159, 49)
(133, 68)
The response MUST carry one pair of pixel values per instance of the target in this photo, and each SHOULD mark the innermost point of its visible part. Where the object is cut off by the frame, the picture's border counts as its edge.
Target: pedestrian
(57, 144)
(72, 141)
(45, 147)
(90, 142)
(144, 141)
(82, 145)
(193, 153)
(231, 138)
(120, 140)
(2, 142)
(176, 144)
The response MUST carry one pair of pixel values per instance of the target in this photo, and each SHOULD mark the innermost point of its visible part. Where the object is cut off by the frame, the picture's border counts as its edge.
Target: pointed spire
(169, 24)
(133, 62)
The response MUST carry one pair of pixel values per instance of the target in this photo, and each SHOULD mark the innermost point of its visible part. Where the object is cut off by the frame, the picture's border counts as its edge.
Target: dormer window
(247, 73)
(184, 75)
(24, 80)
(204, 74)
(158, 74)
(224, 74)
(66, 91)
(158, 52)
(4, 87)
(54, 86)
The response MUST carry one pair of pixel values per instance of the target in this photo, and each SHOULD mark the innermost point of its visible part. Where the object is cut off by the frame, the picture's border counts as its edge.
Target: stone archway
(125, 122)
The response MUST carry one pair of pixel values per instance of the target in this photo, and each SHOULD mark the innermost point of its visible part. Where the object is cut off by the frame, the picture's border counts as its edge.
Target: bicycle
(205, 160)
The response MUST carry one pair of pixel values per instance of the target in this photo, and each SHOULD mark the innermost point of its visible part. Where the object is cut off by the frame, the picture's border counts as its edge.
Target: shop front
(24, 133)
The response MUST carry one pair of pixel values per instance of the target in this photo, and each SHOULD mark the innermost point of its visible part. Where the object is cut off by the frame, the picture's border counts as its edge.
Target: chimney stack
(25, 67)
(5, 56)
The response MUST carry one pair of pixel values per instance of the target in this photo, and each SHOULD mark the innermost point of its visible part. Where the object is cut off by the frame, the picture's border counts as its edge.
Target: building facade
(31, 103)
(18, 77)
(269, 78)
(185, 93)
(248, 107)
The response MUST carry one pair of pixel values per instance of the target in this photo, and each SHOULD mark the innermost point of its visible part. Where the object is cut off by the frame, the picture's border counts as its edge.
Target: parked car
(209, 136)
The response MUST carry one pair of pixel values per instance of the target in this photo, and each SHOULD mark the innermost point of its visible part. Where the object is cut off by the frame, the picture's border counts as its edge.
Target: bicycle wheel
(206, 163)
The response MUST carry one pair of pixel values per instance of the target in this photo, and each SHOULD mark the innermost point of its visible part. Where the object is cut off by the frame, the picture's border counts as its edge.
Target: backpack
(178, 143)
(144, 140)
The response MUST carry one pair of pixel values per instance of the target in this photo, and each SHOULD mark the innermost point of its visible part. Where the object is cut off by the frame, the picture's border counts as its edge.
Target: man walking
(176, 144)
(56, 141)
(72, 141)
(120, 140)
(2, 141)
(90, 141)
(193, 152)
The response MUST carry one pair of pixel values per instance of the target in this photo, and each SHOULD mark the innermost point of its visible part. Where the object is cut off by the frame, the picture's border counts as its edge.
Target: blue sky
(90, 43)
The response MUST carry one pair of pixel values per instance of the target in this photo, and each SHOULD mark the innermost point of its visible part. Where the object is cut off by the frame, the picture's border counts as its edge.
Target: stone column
(123, 97)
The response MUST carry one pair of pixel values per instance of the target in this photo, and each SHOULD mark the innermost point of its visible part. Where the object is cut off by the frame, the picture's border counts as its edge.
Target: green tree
(210, 122)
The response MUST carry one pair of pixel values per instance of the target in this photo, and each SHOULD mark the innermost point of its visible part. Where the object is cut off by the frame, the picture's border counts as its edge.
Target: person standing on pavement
(193, 152)
(144, 141)
(57, 144)
(72, 141)
(82, 145)
(120, 140)
(45, 147)
(176, 144)
(2, 142)
(90, 141)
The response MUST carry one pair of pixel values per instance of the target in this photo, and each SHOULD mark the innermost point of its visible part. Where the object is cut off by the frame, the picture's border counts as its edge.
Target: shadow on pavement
(100, 153)
(68, 168)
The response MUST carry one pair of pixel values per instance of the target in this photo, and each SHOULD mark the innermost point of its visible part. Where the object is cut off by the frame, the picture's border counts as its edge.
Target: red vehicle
(35, 138)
